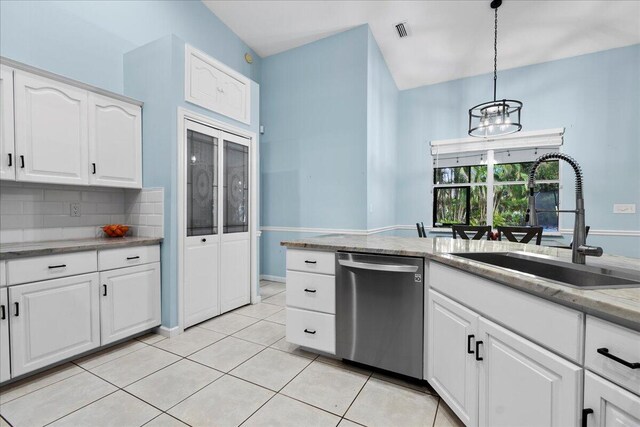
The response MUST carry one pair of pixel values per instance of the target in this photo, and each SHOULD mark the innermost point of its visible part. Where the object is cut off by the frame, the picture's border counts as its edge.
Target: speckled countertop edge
(621, 306)
(29, 249)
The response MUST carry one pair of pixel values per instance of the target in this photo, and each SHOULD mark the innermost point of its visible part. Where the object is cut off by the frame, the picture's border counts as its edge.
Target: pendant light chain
(495, 55)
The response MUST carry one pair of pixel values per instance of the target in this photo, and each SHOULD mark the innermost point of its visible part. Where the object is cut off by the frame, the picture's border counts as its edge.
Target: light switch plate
(626, 208)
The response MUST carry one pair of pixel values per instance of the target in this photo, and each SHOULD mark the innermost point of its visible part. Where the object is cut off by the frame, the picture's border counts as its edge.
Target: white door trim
(185, 114)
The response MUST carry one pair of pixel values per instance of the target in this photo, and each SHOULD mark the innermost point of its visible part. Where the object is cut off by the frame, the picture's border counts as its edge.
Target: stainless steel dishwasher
(379, 311)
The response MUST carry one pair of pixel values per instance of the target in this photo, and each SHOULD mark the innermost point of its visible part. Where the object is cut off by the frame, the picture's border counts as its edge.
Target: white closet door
(115, 142)
(235, 239)
(7, 152)
(202, 239)
(51, 131)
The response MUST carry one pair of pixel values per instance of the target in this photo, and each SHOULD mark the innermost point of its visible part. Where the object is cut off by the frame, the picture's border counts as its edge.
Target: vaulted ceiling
(447, 39)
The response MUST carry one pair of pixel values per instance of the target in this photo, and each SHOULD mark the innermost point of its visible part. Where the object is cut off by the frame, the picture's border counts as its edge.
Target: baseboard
(273, 278)
(168, 332)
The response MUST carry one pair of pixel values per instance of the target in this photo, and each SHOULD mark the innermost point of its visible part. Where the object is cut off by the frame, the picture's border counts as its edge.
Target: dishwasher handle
(395, 268)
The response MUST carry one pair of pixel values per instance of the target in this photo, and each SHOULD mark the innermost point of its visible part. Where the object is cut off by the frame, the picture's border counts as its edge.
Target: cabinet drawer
(620, 342)
(50, 267)
(126, 257)
(311, 261)
(312, 330)
(311, 291)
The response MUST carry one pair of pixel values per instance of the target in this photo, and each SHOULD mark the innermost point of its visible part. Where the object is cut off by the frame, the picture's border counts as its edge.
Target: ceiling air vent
(402, 29)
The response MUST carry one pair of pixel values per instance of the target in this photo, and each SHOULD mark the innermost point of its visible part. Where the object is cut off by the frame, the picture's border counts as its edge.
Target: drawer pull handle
(631, 365)
(469, 338)
(58, 266)
(3, 312)
(311, 291)
(104, 294)
(310, 262)
(307, 331)
(133, 257)
(478, 343)
(585, 413)
(17, 309)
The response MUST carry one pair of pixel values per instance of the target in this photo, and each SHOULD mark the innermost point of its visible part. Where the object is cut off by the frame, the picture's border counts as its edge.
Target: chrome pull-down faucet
(579, 248)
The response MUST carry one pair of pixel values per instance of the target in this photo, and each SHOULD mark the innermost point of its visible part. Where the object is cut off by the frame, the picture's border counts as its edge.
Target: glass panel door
(236, 188)
(202, 184)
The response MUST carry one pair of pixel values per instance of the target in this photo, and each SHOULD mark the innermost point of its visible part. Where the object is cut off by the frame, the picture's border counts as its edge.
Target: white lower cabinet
(522, 384)
(607, 405)
(5, 372)
(53, 320)
(490, 376)
(451, 365)
(129, 301)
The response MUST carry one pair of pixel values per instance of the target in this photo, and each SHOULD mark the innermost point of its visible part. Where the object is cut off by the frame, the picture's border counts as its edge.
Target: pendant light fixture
(497, 117)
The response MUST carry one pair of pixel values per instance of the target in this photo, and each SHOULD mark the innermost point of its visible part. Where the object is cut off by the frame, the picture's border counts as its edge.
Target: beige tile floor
(236, 369)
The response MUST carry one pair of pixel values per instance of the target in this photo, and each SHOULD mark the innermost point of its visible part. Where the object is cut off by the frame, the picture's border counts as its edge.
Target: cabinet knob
(204, 240)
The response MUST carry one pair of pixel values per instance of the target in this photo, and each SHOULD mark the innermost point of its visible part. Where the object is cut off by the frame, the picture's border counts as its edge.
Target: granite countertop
(28, 249)
(618, 305)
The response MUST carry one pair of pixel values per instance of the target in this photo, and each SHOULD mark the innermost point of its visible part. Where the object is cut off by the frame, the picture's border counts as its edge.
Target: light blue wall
(86, 40)
(328, 153)
(596, 97)
(154, 73)
(382, 113)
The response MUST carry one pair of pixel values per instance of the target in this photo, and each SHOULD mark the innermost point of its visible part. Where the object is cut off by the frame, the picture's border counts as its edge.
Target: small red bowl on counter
(115, 230)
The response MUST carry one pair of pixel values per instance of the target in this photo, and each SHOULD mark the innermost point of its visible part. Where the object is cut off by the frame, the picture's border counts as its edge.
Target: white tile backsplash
(39, 212)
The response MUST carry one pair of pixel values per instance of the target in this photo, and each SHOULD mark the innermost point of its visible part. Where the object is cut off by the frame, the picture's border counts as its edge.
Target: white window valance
(520, 147)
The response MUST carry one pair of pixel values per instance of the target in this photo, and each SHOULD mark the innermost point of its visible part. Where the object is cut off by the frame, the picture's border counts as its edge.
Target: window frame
(490, 183)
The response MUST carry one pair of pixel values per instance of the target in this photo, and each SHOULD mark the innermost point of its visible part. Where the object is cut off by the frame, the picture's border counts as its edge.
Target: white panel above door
(216, 87)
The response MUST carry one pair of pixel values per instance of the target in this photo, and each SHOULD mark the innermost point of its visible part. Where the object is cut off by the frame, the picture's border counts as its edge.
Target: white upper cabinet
(115, 143)
(51, 131)
(7, 155)
(216, 87)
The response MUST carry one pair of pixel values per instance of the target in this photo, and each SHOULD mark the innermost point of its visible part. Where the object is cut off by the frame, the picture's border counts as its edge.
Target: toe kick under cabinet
(58, 306)
(311, 308)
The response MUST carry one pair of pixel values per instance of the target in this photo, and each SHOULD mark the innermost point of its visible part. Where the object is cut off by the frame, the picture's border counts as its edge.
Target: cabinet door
(612, 406)
(216, 87)
(129, 301)
(7, 153)
(5, 371)
(451, 364)
(51, 131)
(522, 384)
(115, 143)
(53, 320)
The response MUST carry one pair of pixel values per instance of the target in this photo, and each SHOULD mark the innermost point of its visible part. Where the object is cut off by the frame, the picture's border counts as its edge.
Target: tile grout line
(355, 398)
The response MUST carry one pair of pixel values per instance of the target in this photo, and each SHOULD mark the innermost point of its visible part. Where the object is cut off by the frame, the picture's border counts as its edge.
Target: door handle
(21, 161)
(631, 365)
(308, 331)
(469, 338)
(585, 413)
(478, 343)
(395, 268)
(94, 168)
(17, 305)
(10, 160)
(3, 312)
(104, 294)
(311, 291)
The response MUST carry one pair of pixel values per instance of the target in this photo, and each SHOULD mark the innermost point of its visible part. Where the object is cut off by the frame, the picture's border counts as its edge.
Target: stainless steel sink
(574, 275)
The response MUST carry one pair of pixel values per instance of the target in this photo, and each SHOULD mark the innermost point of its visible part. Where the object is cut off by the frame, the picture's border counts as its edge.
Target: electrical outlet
(75, 209)
(628, 208)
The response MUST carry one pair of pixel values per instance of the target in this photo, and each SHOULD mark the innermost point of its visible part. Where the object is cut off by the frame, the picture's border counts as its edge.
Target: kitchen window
(489, 187)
